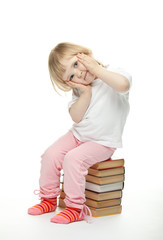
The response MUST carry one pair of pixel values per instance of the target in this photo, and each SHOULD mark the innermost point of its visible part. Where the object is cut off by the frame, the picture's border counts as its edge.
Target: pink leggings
(74, 157)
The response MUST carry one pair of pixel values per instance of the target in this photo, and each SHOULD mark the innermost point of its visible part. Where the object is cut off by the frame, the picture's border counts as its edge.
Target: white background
(124, 33)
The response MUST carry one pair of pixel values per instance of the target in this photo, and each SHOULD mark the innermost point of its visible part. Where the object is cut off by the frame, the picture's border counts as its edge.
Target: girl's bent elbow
(125, 86)
(76, 121)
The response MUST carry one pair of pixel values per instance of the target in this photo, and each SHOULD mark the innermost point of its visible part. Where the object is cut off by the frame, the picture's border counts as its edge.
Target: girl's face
(76, 72)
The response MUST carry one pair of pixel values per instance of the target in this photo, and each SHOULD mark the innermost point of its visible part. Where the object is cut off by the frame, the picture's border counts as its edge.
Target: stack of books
(103, 189)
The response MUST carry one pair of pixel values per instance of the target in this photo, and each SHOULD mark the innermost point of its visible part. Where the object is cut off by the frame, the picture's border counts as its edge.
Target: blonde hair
(56, 69)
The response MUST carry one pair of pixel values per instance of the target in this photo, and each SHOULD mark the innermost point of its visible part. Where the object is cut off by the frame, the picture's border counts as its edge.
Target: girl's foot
(68, 215)
(45, 206)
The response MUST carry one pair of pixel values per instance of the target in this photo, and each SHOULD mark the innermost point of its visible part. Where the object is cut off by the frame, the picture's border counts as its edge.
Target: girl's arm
(114, 80)
(78, 109)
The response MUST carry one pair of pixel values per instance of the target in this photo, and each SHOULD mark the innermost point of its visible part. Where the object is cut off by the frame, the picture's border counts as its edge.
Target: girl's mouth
(85, 75)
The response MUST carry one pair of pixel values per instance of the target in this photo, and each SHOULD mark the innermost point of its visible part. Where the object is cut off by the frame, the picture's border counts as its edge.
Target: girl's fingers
(69, 82)
(80, 56)
(72, 84)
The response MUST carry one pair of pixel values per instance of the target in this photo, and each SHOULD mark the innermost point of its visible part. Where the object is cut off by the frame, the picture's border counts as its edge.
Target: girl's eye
(71, 77)
(75, 64)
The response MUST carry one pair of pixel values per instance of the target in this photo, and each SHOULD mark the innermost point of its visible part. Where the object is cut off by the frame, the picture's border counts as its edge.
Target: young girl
(99, 108)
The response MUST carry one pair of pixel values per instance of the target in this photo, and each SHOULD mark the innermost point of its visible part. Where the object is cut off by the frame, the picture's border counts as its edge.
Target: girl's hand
(90, 63)
(81, 87)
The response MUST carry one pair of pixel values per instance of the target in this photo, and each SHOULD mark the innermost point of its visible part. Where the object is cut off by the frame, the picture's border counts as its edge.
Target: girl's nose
(79, 74)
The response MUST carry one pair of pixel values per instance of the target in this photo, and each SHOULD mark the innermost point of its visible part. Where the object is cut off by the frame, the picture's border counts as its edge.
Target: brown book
(98, 212)
(98, 204)
(99, 196)
(103, 196)
(105, 180)
(106, 172)
(104, 203)
(109, 164)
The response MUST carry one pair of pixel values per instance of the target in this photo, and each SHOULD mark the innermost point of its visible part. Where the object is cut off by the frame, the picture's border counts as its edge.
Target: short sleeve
(73, 100)
(124, 73)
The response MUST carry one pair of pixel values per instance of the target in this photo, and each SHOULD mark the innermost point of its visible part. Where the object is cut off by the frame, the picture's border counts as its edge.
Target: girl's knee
(52, 157)
(49, 155)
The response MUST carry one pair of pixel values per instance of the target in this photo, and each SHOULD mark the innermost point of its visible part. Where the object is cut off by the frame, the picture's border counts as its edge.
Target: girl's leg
(51, 164)
(75, 165)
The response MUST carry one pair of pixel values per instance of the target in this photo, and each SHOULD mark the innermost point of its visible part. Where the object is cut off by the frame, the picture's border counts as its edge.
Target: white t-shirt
(104, 120)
